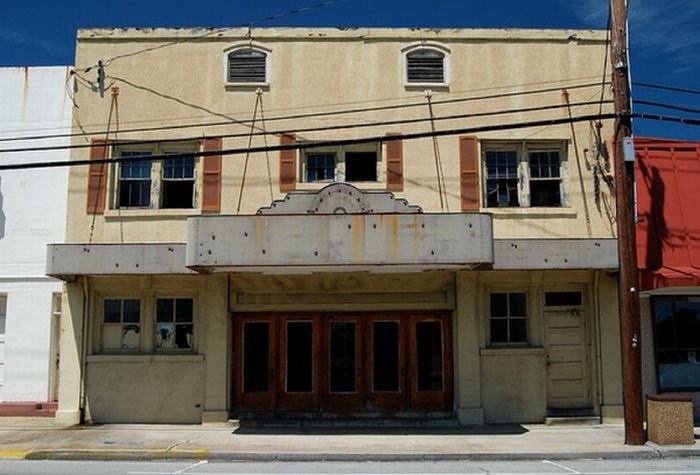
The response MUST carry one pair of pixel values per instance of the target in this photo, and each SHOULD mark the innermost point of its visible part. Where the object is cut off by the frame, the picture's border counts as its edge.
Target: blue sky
(665, 34)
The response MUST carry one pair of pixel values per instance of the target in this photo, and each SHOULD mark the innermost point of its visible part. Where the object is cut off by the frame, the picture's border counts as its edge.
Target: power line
(316, 114)
(316, 129)
(666, 88)
(665, 118)
(668, 106)
(325, 143)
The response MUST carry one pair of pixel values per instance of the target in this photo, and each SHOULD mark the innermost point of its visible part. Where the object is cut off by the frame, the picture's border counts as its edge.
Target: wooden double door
(342, 361)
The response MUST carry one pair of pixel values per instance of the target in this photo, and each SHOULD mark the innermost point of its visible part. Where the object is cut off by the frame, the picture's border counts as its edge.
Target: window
(508, 318)
(165, 184)
(562, 299)
(351, 163)
(677, 342)
(121, 327)
(174, 324)
(135, 181)
(425, 66)
(178, 182)
(524, 174)
(247, 66)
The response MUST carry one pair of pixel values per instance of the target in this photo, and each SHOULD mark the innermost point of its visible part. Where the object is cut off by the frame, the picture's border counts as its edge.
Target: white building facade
(35, 101)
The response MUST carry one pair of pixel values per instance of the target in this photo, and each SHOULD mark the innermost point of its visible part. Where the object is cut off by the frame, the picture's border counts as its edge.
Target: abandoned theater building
(374, 222)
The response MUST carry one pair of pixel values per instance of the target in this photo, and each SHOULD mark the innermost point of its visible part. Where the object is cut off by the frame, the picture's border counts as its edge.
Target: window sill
(362, 185)
(512, 351)
(246, 86)
(150, 213)
(145, 358)
(423, 86)
(532, 212)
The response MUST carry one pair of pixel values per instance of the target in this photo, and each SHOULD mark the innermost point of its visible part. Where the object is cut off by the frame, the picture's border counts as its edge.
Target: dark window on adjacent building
(677, 342)
(247, 66)
(178, 182)
(135, 181)
(508, 317)
(425, 66)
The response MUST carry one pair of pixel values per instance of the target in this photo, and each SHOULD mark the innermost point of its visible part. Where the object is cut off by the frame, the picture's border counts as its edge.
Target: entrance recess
(567, 375)
(337, 362)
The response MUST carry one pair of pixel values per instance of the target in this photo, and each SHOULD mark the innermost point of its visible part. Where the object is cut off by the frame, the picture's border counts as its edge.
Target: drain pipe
(599, 348)
(83, 346)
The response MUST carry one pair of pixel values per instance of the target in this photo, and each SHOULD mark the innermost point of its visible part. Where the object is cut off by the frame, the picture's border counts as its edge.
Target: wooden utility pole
(630, 327)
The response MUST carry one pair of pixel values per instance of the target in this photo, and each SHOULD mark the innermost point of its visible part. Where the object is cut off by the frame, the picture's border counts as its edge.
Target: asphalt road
(683, 466)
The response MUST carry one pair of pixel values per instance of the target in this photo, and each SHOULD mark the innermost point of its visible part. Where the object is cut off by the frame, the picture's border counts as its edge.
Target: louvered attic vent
(425, 66)
(247, 66)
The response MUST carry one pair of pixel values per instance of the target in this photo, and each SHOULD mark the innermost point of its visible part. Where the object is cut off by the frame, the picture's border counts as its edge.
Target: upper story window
(164, 184)
(524, 174)
(349, 163)
(426, 64)
(247, 66)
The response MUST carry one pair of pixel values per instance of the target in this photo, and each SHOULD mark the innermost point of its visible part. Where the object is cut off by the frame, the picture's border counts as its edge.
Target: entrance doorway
(567, 368)
(342, 362)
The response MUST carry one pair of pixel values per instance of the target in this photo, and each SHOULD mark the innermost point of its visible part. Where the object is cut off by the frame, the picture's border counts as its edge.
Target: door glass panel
(299, 357)
(385, 362)
(429, 356)
(342, 356)
(256, 361)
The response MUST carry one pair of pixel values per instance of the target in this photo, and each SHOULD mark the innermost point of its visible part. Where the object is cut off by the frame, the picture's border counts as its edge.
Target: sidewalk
(41, 439)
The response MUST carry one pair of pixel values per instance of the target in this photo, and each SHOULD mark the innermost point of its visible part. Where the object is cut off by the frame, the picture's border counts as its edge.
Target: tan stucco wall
(316, 70)
(492, 384)
(325, 70)
(145, 389)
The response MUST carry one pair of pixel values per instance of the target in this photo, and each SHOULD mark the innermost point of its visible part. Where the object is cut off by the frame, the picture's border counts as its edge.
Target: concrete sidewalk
(41, 439)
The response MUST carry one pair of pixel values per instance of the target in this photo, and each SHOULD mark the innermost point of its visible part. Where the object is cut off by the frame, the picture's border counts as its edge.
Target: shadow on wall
(2, 213)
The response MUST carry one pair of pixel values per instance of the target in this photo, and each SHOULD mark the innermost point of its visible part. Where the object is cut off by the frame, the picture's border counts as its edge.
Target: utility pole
(630, 327)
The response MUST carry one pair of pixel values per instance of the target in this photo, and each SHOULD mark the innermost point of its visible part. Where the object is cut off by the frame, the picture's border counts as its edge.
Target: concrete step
(28, 409)
(572, 420)
(344, 420)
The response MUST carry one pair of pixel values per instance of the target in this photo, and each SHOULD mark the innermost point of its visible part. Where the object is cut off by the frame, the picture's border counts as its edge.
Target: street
(683, 466)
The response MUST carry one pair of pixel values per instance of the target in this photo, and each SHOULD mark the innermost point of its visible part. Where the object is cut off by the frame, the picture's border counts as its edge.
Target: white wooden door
(568, 381)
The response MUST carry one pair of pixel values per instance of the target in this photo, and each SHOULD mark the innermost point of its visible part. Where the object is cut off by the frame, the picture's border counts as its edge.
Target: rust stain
(358, 238)
(25, 92)
(395, 236)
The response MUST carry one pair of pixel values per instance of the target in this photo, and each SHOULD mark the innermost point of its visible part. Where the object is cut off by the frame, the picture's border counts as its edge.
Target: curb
(148, 454)
(13, 454)
(115, 454)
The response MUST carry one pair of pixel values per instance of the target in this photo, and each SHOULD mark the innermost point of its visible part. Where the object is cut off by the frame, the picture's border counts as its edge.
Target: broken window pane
(360, 166)
(178, 183)
(174, 328)
(502, 178)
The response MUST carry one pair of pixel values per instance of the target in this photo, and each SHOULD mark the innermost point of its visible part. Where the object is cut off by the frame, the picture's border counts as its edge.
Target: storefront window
(677, 342)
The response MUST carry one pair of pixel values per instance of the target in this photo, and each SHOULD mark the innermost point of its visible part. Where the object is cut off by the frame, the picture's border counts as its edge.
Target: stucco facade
(34, 101)
(483, 259)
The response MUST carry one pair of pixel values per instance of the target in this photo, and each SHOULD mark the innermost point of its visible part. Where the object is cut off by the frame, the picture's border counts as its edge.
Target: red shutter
(469, 173)
(97, 178)
(394, 164)
(211, 179)
(288, 164)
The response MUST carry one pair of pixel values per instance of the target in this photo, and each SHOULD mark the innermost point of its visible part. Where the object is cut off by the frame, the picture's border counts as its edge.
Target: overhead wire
(308, 145)
(318, 114)
(666, 88)
(326, 128)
